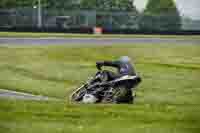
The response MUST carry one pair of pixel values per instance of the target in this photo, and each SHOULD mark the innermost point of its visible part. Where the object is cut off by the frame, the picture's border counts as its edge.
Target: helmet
(124, 59)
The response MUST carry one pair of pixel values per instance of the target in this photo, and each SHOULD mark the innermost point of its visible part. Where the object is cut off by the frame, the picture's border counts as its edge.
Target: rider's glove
(99, 65)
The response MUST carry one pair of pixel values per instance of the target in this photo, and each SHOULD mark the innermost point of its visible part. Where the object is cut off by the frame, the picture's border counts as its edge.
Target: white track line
(8, 94)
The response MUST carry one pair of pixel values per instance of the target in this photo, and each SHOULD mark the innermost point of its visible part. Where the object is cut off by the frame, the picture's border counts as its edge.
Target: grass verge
(57, 117)
(167, 102)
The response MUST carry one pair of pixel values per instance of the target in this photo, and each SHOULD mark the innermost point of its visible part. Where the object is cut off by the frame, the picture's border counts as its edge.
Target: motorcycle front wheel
(78, 94)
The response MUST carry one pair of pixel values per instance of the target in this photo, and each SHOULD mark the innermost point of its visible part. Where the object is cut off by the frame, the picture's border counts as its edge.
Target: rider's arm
(107, 63)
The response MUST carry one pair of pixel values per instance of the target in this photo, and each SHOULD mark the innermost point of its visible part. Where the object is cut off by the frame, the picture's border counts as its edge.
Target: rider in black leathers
(124, 67)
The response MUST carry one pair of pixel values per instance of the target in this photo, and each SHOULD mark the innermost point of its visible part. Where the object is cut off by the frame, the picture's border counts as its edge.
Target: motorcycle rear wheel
(119, 95)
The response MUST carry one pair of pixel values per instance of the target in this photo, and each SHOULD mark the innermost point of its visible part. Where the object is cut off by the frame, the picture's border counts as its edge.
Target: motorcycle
(99, 89)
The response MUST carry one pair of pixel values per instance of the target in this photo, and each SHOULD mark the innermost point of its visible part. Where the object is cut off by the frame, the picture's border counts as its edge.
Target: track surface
(96, 41)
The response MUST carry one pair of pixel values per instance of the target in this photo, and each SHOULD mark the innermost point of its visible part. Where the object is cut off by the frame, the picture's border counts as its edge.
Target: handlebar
(99, 68)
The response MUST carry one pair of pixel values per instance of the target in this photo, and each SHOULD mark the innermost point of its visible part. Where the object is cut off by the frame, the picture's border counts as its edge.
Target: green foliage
(21, 3)
(161, 6)
(125, 5)
(61, 7)
(7, 3)
(103, 5)
(160, 15)
(110, 20)
(61, 4)
(88, 4)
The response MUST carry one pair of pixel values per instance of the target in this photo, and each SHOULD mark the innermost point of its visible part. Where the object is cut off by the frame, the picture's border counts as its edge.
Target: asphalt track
(96, 41)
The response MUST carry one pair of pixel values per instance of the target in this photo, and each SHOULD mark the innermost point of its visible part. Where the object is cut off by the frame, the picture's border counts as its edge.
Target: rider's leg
(112, 75)
(124, 96)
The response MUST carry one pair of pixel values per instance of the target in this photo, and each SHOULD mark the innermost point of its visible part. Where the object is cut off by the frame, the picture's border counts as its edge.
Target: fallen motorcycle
(100, 90)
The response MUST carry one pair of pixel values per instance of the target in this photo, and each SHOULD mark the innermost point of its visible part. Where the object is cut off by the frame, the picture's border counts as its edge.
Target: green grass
(67, 35)
(168, 98)
(34, 117)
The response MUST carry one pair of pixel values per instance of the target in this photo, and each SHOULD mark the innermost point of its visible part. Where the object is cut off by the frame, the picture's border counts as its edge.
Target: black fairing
(128, 83)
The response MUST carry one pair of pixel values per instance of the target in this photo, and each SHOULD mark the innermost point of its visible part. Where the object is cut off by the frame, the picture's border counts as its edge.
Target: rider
(124, 67)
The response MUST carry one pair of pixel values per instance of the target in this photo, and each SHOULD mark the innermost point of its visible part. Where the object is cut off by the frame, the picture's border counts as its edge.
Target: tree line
(107, 5)
(158, 14)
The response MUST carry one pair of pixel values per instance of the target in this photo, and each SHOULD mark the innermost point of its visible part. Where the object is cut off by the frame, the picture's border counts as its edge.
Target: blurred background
(151, 15)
